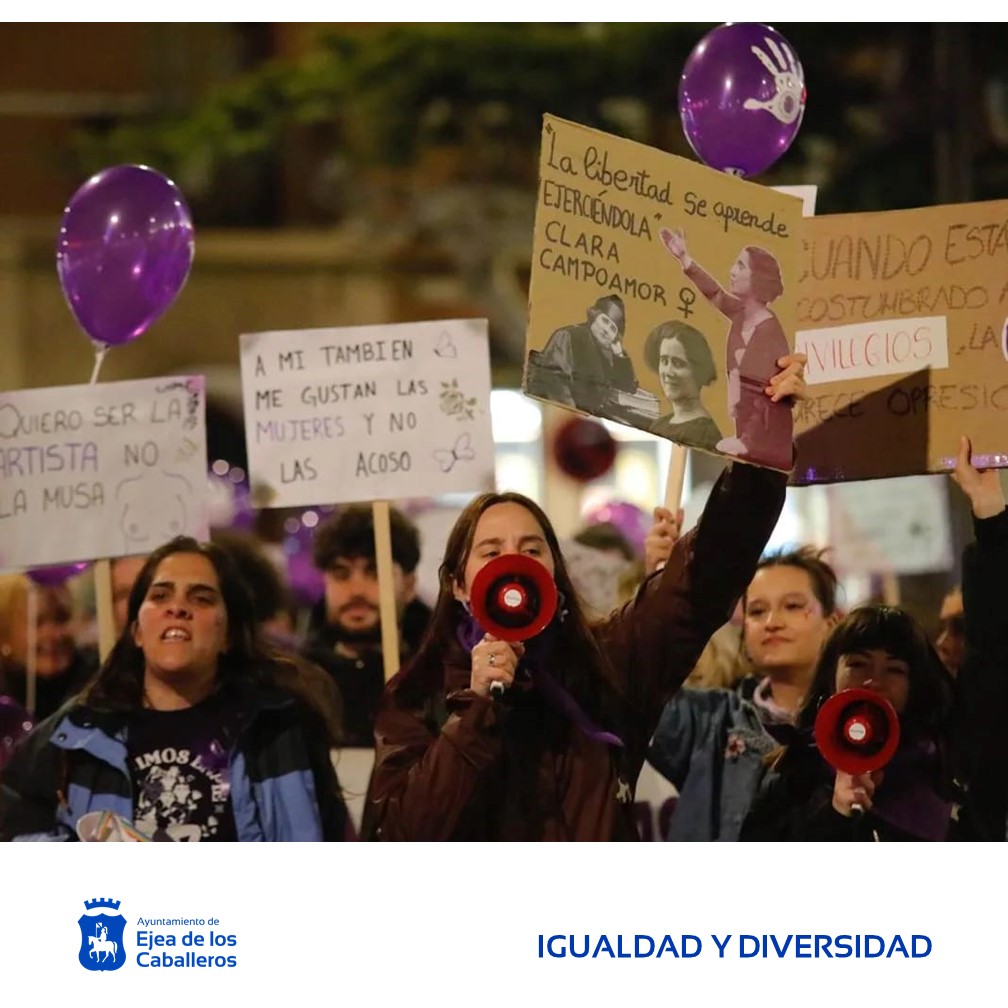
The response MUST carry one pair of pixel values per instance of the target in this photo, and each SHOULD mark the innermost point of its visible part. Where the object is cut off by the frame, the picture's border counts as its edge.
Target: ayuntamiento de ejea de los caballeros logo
(160, 942)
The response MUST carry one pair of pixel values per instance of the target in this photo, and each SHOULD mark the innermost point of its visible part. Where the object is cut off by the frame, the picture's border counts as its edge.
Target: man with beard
(345, 632)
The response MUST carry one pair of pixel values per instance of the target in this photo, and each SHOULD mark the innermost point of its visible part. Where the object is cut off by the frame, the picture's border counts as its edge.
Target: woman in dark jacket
(557, 757)
(190, 731)
(946, 780)
(883, 649)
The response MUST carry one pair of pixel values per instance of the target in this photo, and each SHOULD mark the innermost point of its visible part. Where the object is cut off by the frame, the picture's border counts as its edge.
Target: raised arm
(982, 682)
(655, 640)
(675, 243)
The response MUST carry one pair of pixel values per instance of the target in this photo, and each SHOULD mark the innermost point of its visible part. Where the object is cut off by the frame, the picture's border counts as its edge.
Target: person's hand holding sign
(789, 382)
(664, 534)
(981, 486)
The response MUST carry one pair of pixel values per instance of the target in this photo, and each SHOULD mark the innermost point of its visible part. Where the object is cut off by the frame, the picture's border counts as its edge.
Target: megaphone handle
(857, 818)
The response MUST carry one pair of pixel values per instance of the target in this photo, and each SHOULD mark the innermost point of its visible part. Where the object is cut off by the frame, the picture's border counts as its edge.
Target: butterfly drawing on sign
(445, 347)
(447, 457)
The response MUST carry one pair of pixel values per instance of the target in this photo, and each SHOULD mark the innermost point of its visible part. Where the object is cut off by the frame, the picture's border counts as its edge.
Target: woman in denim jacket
(712, 743)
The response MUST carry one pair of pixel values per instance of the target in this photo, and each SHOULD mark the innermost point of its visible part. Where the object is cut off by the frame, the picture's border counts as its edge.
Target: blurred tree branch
(369, 105)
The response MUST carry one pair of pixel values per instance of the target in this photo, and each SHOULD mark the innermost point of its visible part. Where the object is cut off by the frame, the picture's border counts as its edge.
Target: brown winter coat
(457, 766)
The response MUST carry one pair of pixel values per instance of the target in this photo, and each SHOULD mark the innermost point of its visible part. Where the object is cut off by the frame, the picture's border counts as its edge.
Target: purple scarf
(538, 651)
(907, 798)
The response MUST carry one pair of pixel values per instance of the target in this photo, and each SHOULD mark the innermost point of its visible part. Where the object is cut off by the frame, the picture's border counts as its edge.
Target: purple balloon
(305, 579)
(741, 97)
(230, 503)
(53, 577)
(628, 518)
(124, 251)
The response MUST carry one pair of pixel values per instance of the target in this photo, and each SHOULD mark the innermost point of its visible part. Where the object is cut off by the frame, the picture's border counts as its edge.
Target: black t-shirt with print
(181, 776)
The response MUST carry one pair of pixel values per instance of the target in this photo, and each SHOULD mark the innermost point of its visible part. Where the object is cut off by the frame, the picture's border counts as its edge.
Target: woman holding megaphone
(888, 746)
(557, 755)
(813, 791)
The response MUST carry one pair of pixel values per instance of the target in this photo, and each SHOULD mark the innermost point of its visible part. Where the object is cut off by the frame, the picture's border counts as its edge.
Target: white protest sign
(806, 193)
(596, 575)
(101, 470)
(898, 525)
(873, 348)
(367, 412)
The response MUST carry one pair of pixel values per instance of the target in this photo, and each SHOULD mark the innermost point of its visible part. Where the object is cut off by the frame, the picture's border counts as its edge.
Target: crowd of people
(219, 715)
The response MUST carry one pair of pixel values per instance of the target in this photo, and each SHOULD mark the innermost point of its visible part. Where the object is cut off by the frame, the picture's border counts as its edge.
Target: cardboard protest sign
(101, 470)
(662, 294)
(903, 317)
(367, 413)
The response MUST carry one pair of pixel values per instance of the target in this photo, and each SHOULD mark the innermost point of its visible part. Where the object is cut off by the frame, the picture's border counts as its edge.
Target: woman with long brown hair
(557, 756)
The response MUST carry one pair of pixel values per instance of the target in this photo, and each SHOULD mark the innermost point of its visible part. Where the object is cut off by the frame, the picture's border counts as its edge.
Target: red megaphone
(513, 597)
(857, 731)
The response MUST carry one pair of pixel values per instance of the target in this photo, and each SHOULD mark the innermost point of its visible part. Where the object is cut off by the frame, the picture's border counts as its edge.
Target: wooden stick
(386, 588)
(31, 670)
(103, 607)
(890, 588)
(674, 480)
(676, 477)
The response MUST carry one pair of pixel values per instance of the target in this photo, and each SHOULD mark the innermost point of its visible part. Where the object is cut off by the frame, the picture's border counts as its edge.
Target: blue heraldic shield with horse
(102, 935)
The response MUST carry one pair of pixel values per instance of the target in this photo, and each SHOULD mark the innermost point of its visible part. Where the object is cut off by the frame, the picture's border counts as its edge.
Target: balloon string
(100, 350)
(31, 660)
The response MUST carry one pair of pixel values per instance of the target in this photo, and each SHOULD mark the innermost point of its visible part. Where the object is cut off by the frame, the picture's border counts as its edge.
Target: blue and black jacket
(283, 785)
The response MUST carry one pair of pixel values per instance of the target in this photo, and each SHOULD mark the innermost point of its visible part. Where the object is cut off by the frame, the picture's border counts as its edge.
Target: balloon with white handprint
(742, 97)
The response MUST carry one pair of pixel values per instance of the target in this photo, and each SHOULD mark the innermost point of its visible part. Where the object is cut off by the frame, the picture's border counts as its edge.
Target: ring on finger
(492, 660)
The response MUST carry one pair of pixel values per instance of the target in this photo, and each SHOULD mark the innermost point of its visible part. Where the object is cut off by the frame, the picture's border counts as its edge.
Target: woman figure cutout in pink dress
(756, 341)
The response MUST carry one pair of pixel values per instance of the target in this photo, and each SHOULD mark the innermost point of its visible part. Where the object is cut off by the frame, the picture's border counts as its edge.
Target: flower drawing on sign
(454, 401)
